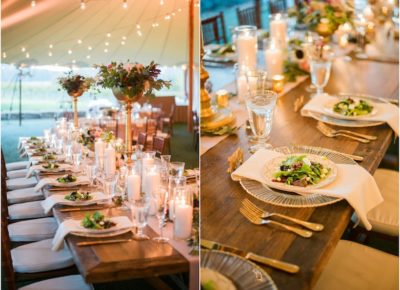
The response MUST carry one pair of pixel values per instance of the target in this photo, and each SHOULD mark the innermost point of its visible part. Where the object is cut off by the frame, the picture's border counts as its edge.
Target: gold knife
(93, 243)
(283, 266)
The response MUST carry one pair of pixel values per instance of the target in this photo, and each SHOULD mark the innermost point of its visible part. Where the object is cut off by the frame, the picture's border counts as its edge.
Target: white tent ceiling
(60, 32)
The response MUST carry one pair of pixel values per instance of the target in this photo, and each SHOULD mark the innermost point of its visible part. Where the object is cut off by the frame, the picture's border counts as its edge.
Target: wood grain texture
(221, 197)
(121, 261)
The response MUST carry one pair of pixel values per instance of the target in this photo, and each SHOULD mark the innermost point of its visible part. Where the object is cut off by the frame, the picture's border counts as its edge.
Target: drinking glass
(140, 212)
(173, 183)
(161, 201)
(165, 160)
(176, 168)
(360, 24)
(109, 186)
(91, 173)
(256, 80)
(320, 73)
(260, 106)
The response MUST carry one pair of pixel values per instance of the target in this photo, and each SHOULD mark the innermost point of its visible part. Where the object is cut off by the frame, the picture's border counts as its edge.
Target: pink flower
(109, 66)
(139, 67)
(128, 66)
(146, 85)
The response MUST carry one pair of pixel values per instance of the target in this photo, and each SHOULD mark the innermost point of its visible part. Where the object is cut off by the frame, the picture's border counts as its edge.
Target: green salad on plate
(352, 107)
(97, 222)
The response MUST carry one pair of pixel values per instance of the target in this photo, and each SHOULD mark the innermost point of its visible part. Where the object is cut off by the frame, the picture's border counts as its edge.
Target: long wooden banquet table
(119, 261)
(221, 197)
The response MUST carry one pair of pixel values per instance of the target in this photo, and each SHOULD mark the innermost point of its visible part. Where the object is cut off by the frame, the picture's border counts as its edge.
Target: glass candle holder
(222, 98)
(246, 45)
(278, 81)
(278, 29)
(274, 58)
(176, 168)
(183, 213)
(241, 81)
(256, 80)
(174, 182)
(133, 182)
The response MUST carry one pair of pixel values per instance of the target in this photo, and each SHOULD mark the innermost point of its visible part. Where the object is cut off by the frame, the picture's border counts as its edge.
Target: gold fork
(258, 221)
(365, 136)
(264, 214)
(327, 133)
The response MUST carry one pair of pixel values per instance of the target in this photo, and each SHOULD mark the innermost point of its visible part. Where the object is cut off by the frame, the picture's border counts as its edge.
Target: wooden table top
(221, 197)
(121, 261)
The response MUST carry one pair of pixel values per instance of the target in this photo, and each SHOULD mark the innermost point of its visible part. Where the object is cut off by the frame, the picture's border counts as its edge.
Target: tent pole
(20, 98)
(191, 66)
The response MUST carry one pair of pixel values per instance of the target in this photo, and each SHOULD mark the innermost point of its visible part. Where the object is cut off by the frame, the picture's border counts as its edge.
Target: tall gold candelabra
(75, 96)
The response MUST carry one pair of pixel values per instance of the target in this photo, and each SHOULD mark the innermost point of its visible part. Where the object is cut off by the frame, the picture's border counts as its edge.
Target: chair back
(151, 127)
(213, 29)
(160, 145)
(138, 126)
(142, 138)
(250, 15)
(277, 6)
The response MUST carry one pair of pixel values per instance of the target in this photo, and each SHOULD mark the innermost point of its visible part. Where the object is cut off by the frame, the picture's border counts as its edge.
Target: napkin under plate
(80, 180)
(385, 112)
(54, 199)
(39, 168)
(69, 226)
(352, 183)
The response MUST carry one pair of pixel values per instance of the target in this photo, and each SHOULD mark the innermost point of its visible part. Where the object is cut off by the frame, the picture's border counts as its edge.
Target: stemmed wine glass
(260, 106)
(91, 173)
(161, 200)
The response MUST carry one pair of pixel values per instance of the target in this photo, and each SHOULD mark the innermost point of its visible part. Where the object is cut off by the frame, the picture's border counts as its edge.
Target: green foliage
(219, 131)
(74, 83)
(292, 70)
(131, 79)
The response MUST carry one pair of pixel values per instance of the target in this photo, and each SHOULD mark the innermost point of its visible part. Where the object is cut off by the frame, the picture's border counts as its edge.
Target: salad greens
(78, 196)
(47, 157)
(50, 165)
(228, 48)
(350, 107)
(97, 222)
(67, 179)
(300, 171)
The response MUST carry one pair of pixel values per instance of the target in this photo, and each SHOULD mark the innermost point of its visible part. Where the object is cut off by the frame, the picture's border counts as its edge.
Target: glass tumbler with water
(140, 212)
(320, 73)
(260, 106)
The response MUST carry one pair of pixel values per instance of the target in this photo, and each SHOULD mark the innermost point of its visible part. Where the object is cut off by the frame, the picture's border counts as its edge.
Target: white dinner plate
(273, 166)
(99, 234)
(328, 108)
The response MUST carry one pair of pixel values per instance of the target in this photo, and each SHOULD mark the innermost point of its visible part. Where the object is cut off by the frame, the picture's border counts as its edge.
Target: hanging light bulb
(167, 17)
(106, 50)
(27, 55)
(123, 37)
(161, 2)
(33, 3)
(73, 61)
(107, 44)
(79, 41)
(23, 49)
(50, 53)
(50, 46)
(122, 42)
(89, 48)
(108, 35)
(125, 4)
(4, 55)
(139, 33)
(83, 5)
(69, 51)
(88, 56)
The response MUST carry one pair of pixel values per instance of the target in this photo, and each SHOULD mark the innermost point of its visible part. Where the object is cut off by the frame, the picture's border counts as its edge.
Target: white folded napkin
(39, 168)
(385, 112)
(352, 183)
(54, 199)
(33, 160)
(68, 226)
(80, 180)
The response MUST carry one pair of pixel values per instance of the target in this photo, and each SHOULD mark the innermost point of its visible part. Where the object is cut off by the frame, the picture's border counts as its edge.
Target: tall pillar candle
(247, 50)
(278, 27)
(133, 182)
(109, 162)
(274, 61)
(183, 220)
(99, 148)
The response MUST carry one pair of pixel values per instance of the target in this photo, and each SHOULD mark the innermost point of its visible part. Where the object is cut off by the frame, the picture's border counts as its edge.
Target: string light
(122, 42)
(125, 4)
(88, 56)
(69, 51)
(4, 55)
(155, 24)
(50, 53)
(27, 55)
(161, 2)
(50, 46)
(33, 3)
(23, 49)
(137, 26)
(108, 35)
(73, 61)
(139, 33)
(105, 50)
(123, 37)
(89, 48)
(167, 17)
(107, 44)
(79, 41)
(83, 5)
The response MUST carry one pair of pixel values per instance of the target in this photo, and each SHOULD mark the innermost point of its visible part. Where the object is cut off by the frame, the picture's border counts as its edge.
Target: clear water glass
(320, 73)
(176, 168)
(91, 173)
(161, 201)
(140, 212)
(256, 80)
(109, 186)
(260, 106)
(76, 160)
(173, 183)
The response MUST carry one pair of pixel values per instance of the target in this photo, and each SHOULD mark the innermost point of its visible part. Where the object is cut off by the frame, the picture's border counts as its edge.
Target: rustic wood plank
(122, 261)
(221, 197)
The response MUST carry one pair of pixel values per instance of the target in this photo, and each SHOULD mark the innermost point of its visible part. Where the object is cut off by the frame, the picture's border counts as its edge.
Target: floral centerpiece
(88, 136)
(75, 84)
(130, 82)
(322, 16)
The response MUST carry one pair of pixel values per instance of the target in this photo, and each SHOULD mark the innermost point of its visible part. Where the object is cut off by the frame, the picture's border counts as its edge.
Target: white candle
(274, 61)
(183, 221)
(368, 13)
(278, 28)
(133, 186)
(99, 148)
(246, 46)
(109, 161)
(241, 83)
(151, 182)
(171, 209)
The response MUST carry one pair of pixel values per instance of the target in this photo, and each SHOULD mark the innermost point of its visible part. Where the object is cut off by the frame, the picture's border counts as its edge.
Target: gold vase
(127, 101)
(75, 95)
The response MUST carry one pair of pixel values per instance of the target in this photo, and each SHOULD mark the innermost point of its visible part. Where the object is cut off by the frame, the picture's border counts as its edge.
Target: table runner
(240, 112)
(182, 247)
